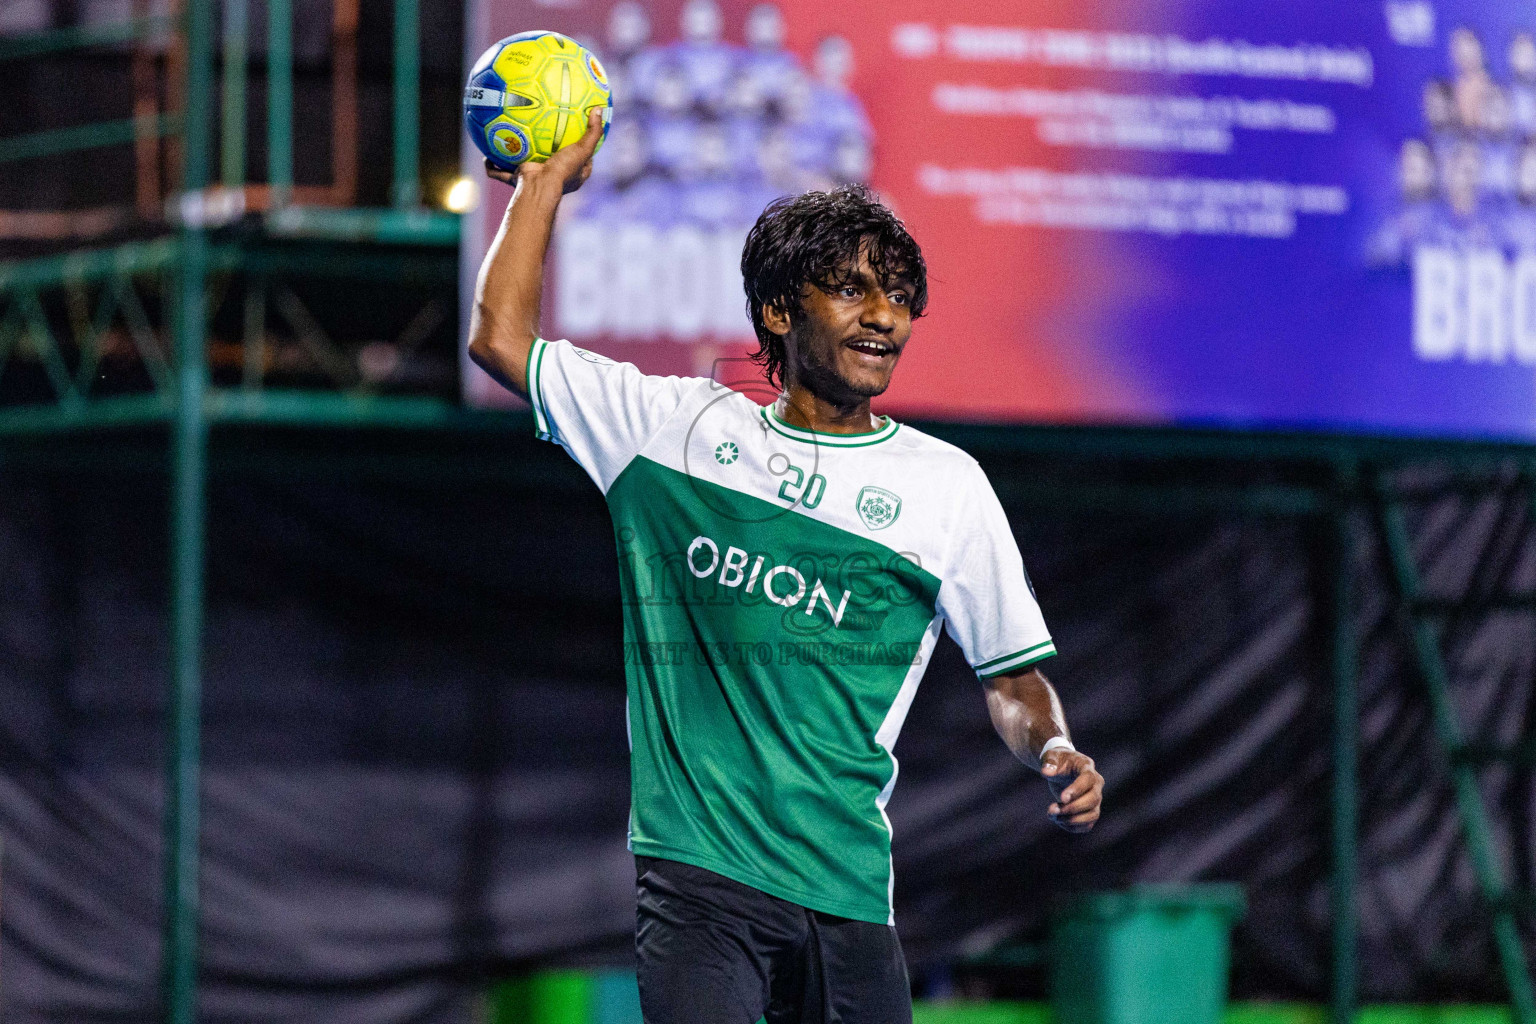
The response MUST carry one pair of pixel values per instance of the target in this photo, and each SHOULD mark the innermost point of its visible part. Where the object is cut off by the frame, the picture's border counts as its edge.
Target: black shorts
(714, 951)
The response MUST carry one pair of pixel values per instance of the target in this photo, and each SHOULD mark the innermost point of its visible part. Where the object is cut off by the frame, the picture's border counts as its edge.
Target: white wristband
(1056, 743)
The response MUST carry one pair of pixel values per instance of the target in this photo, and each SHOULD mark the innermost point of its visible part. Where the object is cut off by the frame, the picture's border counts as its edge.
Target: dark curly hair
(816, 238)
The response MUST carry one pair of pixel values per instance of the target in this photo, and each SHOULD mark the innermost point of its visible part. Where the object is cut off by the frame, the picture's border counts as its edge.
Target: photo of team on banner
(706, 132)
(1470, 180)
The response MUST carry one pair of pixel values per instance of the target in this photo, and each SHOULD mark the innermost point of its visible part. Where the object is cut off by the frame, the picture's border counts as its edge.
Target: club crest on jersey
(878, 507)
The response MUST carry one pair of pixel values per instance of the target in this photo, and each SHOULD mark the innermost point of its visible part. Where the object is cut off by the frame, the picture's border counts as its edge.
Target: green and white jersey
(782, 592)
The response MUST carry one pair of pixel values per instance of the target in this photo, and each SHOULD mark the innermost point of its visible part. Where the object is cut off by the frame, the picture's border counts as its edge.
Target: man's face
(844, 346)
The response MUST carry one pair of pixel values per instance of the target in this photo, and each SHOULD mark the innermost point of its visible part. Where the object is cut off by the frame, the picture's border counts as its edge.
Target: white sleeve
(601, 411)
(986, 598)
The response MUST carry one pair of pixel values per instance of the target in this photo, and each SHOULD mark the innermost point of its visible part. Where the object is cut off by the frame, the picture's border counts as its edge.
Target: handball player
(785, 572)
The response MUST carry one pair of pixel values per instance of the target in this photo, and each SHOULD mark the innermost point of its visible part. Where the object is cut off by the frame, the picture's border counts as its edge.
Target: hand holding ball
(531, 95)
(571, 167)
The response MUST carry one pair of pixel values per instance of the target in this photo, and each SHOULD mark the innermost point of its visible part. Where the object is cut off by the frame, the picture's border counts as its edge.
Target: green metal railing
(1417, 618)
(84, 37)
(234, 50)
(79, 138)
(235, 53)
(1343, 666)
(280, 99)
(407, 135)
(189, 470)
(101, 289)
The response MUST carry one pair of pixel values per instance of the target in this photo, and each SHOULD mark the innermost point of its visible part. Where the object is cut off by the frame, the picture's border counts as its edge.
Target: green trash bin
(565, 997)
(1153, 954)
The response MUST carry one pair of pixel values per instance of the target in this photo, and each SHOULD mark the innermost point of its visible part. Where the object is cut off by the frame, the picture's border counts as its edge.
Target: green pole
(81, 137)
(1346, 783)
(189, 453)
(1476, 826)
(280, 100)
(407, 191)
(232, 148)
(80, 37)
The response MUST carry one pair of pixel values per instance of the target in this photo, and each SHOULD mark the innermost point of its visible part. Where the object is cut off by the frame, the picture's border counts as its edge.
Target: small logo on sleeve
(593, 357)
(726, 452)
(878, 507)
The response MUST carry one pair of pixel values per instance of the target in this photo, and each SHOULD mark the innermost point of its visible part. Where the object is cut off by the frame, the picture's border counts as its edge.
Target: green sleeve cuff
(533, 376)
(1017, 660)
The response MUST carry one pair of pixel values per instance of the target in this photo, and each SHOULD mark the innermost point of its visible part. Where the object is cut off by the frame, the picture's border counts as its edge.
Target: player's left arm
(1027, 714)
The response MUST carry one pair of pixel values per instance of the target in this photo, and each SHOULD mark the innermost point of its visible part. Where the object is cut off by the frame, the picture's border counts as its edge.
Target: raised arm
(505, 319)
(1027, 714)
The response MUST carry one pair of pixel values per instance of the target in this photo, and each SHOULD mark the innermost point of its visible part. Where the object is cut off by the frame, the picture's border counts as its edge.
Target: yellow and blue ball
(530, 94)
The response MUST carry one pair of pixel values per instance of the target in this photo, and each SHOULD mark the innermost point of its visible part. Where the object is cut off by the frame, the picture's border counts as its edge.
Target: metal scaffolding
(64, 313)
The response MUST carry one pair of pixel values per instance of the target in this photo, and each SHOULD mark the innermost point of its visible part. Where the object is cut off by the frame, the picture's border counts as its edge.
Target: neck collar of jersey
(823, 438)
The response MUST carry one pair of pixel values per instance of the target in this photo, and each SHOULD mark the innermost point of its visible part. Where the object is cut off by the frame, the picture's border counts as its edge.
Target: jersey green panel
(764, 650)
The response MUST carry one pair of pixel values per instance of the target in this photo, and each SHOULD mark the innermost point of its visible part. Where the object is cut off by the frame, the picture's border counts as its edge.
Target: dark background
(415, 764)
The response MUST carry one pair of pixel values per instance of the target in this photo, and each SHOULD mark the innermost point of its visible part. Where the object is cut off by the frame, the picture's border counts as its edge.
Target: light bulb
(462, 196)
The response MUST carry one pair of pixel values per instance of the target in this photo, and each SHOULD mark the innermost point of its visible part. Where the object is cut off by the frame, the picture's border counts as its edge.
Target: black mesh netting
(415, 760)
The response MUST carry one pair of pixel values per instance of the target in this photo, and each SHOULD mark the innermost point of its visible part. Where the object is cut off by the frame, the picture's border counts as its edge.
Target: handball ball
(529, 95)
